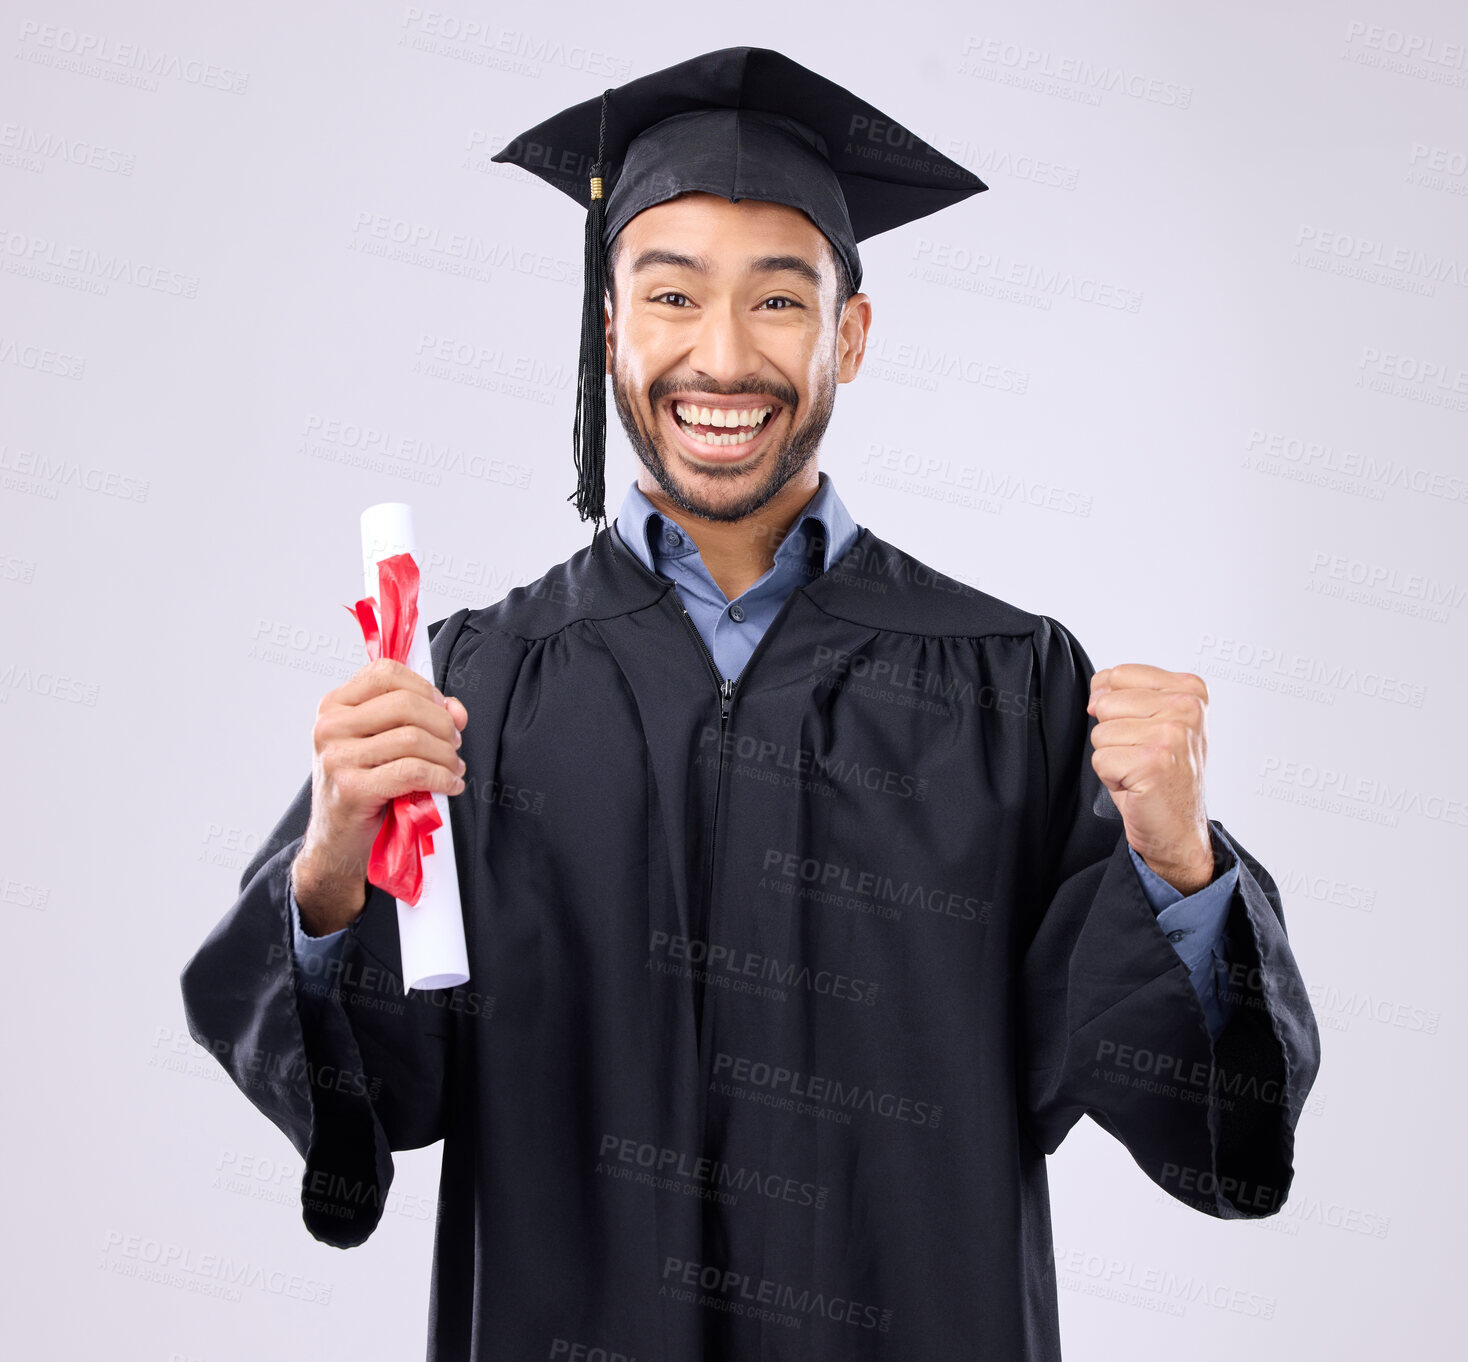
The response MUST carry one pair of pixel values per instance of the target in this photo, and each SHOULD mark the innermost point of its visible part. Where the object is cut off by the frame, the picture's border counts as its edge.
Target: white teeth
(723, 417)
(743, 438)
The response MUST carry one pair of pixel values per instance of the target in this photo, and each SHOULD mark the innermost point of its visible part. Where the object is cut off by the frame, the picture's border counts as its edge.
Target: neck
(737, 553)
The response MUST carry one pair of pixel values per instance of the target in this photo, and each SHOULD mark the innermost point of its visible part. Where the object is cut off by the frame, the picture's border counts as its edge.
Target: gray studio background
(1192, 378)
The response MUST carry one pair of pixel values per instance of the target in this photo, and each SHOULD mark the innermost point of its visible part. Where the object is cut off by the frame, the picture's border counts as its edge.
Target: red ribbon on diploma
(409, 822)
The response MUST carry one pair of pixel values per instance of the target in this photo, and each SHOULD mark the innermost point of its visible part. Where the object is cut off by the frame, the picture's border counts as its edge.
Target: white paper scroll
(430, 933)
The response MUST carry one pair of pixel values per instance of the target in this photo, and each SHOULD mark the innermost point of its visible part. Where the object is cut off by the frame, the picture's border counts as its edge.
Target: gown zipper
(725, 684)
(726, 687)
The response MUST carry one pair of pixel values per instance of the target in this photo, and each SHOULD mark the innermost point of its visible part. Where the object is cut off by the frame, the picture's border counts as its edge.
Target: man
(810, 896)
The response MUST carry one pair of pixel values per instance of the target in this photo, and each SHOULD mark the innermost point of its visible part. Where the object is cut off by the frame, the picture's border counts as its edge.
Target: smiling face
(725, 346)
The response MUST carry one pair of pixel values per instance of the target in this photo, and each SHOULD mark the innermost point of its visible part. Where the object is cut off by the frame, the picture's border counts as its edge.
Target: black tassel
(589, 437)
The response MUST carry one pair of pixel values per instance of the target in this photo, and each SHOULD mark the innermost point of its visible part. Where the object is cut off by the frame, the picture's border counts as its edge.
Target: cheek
(643, 353)
(803, 354)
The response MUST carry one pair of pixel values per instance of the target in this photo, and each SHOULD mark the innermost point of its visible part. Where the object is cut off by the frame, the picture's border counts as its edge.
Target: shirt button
(1176, 936)
(672, 538)
(736, 613)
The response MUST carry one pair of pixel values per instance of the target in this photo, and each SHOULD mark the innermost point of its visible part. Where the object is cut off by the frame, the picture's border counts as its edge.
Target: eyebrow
(763, 264)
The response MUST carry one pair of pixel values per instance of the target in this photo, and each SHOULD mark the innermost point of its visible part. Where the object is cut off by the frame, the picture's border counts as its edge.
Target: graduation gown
(779, 998)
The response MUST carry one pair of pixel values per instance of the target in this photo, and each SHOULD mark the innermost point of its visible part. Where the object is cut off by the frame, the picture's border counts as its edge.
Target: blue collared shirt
(1193, 923)
(733, 628)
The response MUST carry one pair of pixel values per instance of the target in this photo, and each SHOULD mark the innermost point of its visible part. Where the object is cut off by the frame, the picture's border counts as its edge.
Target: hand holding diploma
(386, 732)
(386, 758)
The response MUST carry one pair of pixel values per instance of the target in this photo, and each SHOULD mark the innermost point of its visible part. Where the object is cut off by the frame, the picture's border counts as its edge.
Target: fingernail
(462, 767)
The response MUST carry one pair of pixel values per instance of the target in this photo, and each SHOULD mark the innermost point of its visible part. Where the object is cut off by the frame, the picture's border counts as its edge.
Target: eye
(663, 297)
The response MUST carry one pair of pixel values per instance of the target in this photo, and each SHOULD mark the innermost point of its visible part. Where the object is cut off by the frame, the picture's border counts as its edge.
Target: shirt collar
(649, 534)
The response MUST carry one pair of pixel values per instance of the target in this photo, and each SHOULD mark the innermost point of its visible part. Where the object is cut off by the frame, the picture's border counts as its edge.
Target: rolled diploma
(431, 932)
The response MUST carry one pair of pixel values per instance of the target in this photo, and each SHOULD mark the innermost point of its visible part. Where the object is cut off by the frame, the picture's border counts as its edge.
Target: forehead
(712, 227)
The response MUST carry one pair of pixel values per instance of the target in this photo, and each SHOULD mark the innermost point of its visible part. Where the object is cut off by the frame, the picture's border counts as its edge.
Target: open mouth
(724, 429)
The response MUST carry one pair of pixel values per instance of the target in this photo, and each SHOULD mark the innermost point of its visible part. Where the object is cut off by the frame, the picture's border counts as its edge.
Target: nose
(724, 347)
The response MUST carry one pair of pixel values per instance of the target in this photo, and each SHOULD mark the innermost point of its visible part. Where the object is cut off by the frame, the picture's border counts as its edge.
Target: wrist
(1185, 873)
(327, 902)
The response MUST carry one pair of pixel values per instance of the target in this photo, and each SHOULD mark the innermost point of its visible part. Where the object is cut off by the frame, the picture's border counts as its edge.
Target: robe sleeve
(327, 1046)
(1193, 923)
(1112, 1027)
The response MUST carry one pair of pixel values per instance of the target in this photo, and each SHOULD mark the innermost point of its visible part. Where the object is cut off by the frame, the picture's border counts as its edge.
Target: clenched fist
(1151, 740)
(385, 732)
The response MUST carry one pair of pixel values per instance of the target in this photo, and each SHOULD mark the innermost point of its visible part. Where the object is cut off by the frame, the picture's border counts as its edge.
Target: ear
(851, 336)
(611, 344)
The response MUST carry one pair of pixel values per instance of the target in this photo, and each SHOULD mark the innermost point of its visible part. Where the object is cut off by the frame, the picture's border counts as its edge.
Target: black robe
(778, 1000)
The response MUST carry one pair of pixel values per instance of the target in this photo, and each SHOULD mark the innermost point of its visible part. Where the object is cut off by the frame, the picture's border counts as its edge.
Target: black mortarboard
(742, 122)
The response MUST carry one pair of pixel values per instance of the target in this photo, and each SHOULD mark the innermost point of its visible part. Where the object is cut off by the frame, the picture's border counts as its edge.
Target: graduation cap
(744, 123)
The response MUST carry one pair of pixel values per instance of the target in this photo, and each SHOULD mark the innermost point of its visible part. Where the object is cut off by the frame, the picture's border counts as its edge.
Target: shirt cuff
(1194, 922)
(308, 947)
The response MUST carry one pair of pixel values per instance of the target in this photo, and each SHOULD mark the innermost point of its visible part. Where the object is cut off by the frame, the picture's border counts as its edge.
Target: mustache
(782, 394)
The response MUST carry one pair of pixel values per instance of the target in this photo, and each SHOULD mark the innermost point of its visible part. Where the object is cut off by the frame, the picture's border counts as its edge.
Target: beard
(756, 484)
